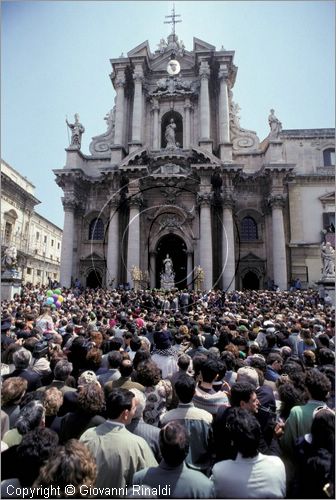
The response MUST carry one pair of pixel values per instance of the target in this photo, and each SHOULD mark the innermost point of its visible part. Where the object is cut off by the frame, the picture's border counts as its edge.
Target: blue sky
(55, 62)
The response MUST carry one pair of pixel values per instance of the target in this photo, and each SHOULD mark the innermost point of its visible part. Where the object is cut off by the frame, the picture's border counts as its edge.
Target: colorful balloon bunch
(54, 298)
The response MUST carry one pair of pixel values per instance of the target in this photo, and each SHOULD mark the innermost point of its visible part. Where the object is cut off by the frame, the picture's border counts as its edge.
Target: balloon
(49, 293)
(53, 306)
(55, 296)
(58, 305)
(50, 300)
(58, 291)
(60, 298)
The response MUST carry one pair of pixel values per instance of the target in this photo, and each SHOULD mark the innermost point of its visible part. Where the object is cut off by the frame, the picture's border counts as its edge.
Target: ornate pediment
(251, 257)
(200, 45)
(173, 86)
(92, 256)
(141, 50)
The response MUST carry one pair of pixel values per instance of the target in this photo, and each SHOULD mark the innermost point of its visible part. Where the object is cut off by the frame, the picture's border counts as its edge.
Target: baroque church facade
(175, 173)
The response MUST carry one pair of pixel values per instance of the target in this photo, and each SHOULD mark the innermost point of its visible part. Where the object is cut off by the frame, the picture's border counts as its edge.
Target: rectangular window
(52, 243)
(38, 272)
(29, 270)
(58, 245)
(37, 235)
(51, 257)
(45, 239)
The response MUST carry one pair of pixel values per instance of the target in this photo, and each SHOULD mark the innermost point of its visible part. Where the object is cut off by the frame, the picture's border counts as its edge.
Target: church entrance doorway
(94, 279)
(250, 281)
(176, 248)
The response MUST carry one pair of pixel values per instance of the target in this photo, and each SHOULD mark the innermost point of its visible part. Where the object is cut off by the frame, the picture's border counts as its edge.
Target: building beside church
(37, 240)
(175, 173)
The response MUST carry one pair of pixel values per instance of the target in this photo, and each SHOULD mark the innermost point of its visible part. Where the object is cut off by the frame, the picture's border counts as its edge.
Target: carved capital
(135, 201)
(223, 72)
(114, 201)
(228, 201)
(119, 82)
(69, 203)
(138, 77)
(277, 201)
(204, 71)
(204, 199)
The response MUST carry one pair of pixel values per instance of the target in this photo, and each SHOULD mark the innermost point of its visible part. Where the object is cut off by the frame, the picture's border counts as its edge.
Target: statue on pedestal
(275, 125)
(328, 260)
(170, 134)
(168, 276)
(77, 130)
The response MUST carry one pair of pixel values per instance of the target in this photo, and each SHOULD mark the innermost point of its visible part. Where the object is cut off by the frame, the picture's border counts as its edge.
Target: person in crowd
(125, 380)
(138, 426)
(52, 402)
(12, 391)
(274, 365)
(158, 392)
(104, 375)
(119, 453)
(32, 415)
(205, 396)
(183, 482)
(89, 410)
(80, 471)
(23, 461)
(251, 474)
(198, 423)
(22, 360)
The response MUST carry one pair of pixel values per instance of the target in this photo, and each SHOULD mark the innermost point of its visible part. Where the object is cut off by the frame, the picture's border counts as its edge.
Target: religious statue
(9, 260)
(77, 130)
(168, 275)
(170, 134)
(328, 260)
(168, 265)
(275, 125)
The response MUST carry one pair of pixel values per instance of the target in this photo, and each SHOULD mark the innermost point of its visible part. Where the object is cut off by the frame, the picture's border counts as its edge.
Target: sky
(55, 62)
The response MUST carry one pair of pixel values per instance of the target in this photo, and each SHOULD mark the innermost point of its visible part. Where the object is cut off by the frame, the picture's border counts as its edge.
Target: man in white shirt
(252, 474)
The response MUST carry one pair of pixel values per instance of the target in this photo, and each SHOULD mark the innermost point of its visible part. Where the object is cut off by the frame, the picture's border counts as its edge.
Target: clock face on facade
(173, 67)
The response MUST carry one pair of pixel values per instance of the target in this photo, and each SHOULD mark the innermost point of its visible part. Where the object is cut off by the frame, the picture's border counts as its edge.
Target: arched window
(329, 157)
(248, 229)
(96, 229)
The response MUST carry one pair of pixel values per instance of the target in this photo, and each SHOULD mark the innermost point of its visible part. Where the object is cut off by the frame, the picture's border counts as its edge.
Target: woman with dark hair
(158, 392)
(80, 471)
(90, 407)
(12, 391)
(315, 452)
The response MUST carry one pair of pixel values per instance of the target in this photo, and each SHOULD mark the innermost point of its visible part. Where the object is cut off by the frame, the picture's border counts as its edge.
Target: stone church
(175, 173)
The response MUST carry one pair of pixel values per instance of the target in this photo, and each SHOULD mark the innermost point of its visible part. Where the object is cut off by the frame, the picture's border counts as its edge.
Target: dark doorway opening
(176, 248)
(94, 279)
(251, 281)
(178, 131)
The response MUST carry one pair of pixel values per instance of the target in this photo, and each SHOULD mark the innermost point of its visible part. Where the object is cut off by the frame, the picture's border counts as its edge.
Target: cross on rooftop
(173, 19)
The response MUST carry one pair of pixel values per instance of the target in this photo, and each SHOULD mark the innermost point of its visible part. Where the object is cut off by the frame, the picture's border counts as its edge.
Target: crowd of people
(168, 394)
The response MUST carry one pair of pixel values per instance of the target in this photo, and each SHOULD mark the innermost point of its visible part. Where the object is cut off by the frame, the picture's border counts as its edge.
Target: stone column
(156, 138)
(189, 270)
(187, 110)
(152, 268)
(204, 101)
(67, 242)
(278, 242)
(228, 246)
(137, 109)
(224, 117)
(133, 247)
(112, 257)
(204, 199)
(120, 111)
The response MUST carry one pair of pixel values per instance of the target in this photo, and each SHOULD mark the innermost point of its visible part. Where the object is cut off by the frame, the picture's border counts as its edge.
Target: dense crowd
(167, 394)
